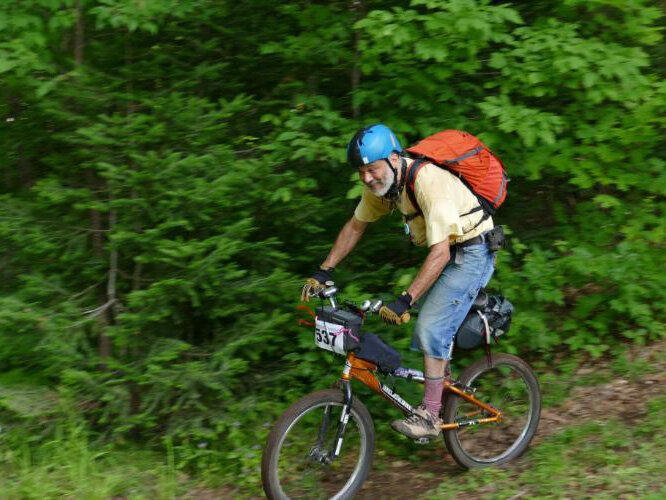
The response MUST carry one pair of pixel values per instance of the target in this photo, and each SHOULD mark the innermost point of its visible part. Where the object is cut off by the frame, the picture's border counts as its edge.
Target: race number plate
(330, 336)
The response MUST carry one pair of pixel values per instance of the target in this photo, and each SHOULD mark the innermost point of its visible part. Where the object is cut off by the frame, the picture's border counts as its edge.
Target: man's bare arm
(430, 269)
(347, 239)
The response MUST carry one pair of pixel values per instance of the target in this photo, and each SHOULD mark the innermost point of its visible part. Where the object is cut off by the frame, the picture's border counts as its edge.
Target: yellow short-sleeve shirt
(443, 199)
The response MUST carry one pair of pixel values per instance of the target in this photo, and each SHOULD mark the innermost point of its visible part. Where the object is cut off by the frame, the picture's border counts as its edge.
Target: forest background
(172, 170)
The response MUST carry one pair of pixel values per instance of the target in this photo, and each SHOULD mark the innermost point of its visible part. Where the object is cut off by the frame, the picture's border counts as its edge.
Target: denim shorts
(449, 300)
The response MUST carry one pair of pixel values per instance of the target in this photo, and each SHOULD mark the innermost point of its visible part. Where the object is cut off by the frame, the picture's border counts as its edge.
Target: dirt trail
(623, 398)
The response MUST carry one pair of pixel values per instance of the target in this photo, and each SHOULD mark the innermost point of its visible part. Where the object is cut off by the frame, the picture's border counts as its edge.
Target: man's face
(377, 176)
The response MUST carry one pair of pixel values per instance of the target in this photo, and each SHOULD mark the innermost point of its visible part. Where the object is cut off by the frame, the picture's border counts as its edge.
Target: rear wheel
(298, 460)
(509, 386)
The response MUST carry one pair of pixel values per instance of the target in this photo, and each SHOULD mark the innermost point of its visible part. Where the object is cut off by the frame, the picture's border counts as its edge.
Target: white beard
(381, 187)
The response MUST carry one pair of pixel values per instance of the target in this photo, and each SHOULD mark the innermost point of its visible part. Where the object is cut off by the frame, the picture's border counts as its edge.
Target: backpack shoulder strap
(410, 181)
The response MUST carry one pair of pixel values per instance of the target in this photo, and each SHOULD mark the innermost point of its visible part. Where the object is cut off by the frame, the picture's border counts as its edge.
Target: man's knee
(434, 367)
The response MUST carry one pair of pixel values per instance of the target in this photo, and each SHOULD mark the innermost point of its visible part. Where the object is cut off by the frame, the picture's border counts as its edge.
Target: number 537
(325, 337)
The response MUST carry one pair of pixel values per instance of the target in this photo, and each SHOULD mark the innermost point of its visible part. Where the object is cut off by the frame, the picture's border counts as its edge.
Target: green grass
(598, 459)
(71, 467)
(632, 369)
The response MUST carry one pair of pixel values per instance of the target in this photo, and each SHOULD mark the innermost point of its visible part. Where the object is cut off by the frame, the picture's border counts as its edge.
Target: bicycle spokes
(502, 387)
(308, 464)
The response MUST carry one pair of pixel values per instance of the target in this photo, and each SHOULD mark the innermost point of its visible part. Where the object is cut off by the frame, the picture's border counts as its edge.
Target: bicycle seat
(480, 301)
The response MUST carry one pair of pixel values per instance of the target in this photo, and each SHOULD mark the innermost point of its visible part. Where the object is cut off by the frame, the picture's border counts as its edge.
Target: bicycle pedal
(422, 440)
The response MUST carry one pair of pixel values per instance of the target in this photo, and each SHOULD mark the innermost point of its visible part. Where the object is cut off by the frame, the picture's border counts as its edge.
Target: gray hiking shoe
(420, 425)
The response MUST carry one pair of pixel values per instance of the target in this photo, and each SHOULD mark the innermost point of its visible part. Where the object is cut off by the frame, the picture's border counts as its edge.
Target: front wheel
(509, 386)
(299, 459)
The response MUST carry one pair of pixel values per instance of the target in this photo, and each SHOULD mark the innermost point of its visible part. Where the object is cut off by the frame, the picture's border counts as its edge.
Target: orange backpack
(468, 158)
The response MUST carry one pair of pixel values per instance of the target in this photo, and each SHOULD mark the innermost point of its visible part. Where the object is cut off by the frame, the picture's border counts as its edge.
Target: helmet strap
(403, 174)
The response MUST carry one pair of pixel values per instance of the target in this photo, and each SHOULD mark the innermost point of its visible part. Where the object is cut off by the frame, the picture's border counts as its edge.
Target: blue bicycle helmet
(372, 143)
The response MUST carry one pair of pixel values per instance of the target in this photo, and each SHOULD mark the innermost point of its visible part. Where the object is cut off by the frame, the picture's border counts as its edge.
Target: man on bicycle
(458, 263)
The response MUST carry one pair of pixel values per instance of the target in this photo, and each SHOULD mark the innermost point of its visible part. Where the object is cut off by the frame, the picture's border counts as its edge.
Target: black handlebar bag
(339, 323)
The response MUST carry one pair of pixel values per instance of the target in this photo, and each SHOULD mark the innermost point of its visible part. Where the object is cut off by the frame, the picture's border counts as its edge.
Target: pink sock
(432, 399)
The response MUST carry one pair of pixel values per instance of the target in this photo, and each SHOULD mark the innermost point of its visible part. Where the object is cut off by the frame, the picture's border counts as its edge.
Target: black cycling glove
(396, 312)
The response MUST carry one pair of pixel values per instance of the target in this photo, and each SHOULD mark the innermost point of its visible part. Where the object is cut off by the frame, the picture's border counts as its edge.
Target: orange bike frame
(364, 372)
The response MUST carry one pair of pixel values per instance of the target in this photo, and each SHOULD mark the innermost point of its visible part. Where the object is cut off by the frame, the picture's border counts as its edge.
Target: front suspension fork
(344, 416)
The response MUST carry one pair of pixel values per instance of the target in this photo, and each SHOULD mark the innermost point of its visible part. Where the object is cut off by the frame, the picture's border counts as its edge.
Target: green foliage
(173, 169)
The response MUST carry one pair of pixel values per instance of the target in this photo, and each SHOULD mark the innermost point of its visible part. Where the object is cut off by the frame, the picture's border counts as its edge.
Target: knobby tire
(288, 469)
(510, 386)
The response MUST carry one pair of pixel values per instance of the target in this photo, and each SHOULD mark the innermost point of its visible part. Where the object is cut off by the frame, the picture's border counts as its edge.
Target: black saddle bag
(490, 317)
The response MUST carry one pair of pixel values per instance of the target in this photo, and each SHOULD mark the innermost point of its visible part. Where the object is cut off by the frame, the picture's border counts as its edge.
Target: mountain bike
(322, 445)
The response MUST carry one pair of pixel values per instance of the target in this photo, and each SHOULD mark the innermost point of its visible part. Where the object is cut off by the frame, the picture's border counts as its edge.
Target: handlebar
(372, 307)
(367, 306)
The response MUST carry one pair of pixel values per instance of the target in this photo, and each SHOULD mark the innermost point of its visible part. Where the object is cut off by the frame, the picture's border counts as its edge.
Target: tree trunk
(25, 176)
(78, 35)
(357, 7)
(133, 389)
(105, 311)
